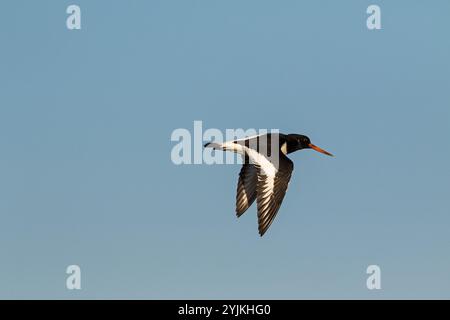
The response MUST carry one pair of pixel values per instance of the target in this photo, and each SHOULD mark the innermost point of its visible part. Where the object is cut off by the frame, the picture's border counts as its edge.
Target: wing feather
(246, 189)
(271, 190)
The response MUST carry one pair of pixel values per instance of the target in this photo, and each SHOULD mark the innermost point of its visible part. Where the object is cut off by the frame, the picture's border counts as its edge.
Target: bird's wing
(271, 188)
(246, 189)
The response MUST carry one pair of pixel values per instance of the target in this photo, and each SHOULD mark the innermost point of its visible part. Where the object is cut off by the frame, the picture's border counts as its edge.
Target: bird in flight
(265, 172)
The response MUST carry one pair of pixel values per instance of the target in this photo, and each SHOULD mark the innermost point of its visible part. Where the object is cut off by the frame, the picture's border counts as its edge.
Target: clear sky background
(86, 176)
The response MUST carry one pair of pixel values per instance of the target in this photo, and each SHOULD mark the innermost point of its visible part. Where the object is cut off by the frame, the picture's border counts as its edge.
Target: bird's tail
(225, 146)
(214, 145)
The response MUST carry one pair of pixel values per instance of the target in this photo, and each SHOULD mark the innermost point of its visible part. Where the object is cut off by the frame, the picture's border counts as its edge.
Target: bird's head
(298, 142)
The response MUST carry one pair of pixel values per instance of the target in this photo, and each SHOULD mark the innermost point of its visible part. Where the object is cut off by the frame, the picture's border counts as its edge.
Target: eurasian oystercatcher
(266, 171)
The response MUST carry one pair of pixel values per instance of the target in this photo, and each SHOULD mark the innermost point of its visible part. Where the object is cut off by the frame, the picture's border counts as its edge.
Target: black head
(298, 142)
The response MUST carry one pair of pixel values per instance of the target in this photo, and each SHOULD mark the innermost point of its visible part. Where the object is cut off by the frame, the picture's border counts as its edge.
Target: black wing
(246, 189)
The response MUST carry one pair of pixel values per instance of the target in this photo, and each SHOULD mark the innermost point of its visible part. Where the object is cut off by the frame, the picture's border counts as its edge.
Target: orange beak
(320, 150)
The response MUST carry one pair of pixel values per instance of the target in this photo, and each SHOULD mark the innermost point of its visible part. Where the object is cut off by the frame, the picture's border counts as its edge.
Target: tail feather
(213, 145)
(225, 146)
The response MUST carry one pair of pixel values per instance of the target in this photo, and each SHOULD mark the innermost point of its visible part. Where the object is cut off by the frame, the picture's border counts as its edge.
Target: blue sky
(85, 170)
